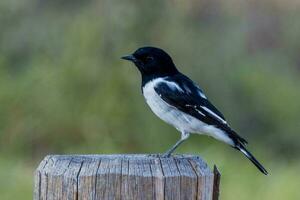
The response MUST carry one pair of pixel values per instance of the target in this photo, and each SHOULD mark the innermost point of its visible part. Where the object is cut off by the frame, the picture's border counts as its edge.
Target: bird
(180, 102)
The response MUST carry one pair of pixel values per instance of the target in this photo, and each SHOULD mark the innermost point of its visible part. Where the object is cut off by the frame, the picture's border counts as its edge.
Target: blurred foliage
(63, 88)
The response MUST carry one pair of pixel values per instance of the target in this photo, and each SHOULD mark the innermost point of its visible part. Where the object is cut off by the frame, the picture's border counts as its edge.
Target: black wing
(180, 92)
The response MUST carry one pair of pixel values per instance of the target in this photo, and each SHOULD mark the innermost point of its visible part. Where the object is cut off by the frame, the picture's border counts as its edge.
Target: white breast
(166, 112)
(177, 118)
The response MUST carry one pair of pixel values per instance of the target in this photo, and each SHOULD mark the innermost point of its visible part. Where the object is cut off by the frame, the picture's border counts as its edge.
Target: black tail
(241, 148)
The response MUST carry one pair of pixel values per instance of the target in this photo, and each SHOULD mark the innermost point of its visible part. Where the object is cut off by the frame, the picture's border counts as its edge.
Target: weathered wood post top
(93, 177)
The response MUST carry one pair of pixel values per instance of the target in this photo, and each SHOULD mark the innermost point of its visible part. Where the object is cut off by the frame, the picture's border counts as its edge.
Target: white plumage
(180, 120)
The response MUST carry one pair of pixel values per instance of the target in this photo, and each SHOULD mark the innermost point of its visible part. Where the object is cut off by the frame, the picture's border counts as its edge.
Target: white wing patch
(195, 107)
(201, 94)
(214, 114)
(200, 112)
(173, 85)
(187, 89)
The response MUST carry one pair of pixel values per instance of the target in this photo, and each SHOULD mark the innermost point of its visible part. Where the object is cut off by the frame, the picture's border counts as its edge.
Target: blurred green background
(63, 88)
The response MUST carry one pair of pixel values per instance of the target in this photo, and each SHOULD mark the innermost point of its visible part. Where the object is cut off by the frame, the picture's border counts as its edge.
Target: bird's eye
(149, 58)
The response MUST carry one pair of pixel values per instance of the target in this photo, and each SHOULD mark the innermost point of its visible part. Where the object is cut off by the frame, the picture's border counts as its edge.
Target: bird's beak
(129, 57)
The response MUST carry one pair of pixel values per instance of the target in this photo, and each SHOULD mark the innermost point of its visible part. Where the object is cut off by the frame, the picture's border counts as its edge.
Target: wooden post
(129, 177)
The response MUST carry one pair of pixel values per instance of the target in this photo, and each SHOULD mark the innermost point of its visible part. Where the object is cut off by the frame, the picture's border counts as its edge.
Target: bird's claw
(166, 155)
(158, 155)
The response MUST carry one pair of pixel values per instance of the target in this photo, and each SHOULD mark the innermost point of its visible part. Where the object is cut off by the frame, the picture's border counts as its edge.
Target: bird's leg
(184, 136)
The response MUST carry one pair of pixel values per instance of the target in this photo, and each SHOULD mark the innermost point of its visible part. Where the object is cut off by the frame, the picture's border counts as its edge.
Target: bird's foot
(166, 155)
(156, 155)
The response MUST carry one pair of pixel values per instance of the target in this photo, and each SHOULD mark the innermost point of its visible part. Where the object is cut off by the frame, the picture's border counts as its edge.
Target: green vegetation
(63, 88)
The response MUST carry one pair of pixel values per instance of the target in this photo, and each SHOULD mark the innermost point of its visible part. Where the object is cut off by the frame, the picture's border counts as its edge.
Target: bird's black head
(152, 62)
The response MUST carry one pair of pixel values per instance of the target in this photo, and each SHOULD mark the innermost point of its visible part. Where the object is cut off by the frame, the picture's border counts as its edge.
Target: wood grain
(128, 177)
